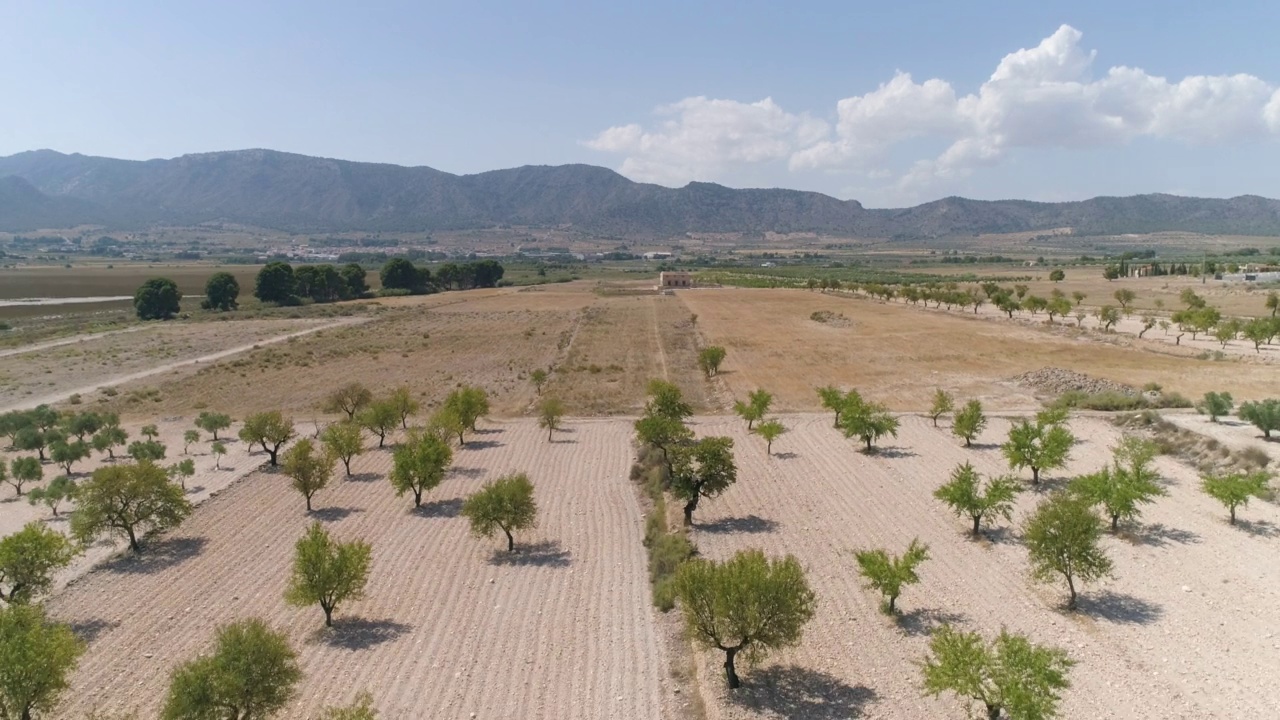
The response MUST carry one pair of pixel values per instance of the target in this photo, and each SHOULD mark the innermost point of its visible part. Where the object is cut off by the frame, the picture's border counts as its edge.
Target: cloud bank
(1042, 97)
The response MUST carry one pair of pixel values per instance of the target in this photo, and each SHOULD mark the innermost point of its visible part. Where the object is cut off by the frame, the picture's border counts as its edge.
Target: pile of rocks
(1056, 381)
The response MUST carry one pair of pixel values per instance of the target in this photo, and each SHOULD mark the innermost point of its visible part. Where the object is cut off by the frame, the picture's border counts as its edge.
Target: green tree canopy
(755, 408)
(270, 430)
(889, 574)
(470, 403)
(505, 504)
(746, 605)
(419, 465)
(943, 403)
(1011, 675)
(350, 399)
(1062, 539)
(1234, 489)
(1041, 445)
(22, 470)
(36, 661)
(866, 420)
(710, 358)
(327, 572)
(221, 292)
(550, 413)
(770, 430)
(1263, 414)
(1215, 405)
(251, 674)
(59, 490)
(275, 284)
(380, 418)
(965, 496)
(28, 560)
(402, 400)
(126, 500)
(308, 468)
(212, 422)
(157, 299)
(1128, 483)
(969, 422)
(703, 469)
(344, 441)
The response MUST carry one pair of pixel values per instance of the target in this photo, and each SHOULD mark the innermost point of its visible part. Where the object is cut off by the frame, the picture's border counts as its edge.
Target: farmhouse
(669, 280)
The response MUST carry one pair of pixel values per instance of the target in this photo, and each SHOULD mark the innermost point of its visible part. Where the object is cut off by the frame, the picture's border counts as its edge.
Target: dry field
(898, 354)
(1165, 639)
(449, 628)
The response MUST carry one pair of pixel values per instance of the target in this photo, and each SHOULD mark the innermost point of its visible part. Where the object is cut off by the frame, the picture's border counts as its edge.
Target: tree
(1273, 302)
(38, 659)
(149, 450)
(1078, 297)
(833, 400)
(1020, 290)
(361, 709)
(213, 422)
(1234, 490)
(969, 422)
(710, 358)
(1042, 445)
(380, 418)
(32, 438)
(109, 438)
(1062, 540)
(1124, 296)
(327, 572)
(400, 274)
(1035, 304)
(218, 450)
(189, 438)
(420, 465)
(125, 500)
(271, 430)
(446, 423)
(550, 413)
(309, 470)
(965, 496)
(1057, 276)
(354, 276)
(1059, 306)
(23, 470)
(866, 420)
(1007, 304)
(221, 291)
(889, 574)
(746, 605)
(344, 441)
(505, 504)
(664, 433)
(770, 430)
(275, 284)
(470, 403)
(1227, 330)
(539, 378)
(60, 489)
(943, 403)
(157, 299)
(251, 674)
(1011, 675)
(1263, 414)
(757, 405)
(350, 399)
(1148, 322)
(402, 400)
(665, 400)
(1127, 483)
(1107, 315)
(704, 469)
(182, 471)
(1259, 331)
(82, 424)
(28, 560)
(1215, 405)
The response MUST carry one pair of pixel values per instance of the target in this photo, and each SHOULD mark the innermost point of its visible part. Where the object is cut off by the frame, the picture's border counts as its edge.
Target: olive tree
(67, 454)
(550, 414)
(703, 469)
(327, 572)
(1126, 484)
(212, 422)
(770, 430)
(1263, 414)
(308, 469)
(755, 408)
(344, 441)
(37, 658)
(1124, 296)
(505, 504)
(107, 439)
(28, 560)
(1062, 538)
(350, 399)
(746, 605)
(889, 574)
(218, 449)
(150, 450)
(126, 500)
(420, 465)
(1010, 675)
(1234, 490)
(59, 490)
(1215, 405)
(965, 496)
(22, 470)
(969, 422)
(1041, 445)
(866, 420)
(271, 430)
(251, 674)
(943, 403)
(1108, 315)
(710, 358)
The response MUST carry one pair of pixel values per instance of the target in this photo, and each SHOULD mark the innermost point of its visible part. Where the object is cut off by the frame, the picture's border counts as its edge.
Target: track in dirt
(1168, 638)
(449, 627)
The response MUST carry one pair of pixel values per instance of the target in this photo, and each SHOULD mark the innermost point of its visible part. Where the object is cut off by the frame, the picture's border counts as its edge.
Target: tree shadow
(547, 553)
(1159, 535)
(157, 555)
(982, 446)
(892, 451)
(786, 455)
(795, 692)
(440, 508)
(732, 525)
(334, 514)
(481, 444)
(1003, 535)
(362, 477)
(467, 472)
(194, 489)
(1259, 528)
(89, 630)
(359, 633)
(1118, 607)
(489, 431)
(923, 621)
(566, 441)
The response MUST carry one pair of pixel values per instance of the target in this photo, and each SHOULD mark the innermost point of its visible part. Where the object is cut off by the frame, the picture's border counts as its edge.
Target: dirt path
(70, 341)
(63, 394)
(657, 341)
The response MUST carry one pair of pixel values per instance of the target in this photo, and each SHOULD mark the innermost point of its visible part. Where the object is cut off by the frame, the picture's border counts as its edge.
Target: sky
(890, 104)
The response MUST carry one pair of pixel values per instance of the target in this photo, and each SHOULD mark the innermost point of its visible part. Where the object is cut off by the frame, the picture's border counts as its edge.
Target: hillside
(47, 189)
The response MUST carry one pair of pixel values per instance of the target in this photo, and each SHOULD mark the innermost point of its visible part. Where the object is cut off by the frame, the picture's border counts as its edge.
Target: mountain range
(44, 189)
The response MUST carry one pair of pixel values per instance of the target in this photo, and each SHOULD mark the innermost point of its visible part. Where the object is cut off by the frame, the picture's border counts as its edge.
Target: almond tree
(1042, 445)
(58, 490)
(1215, 405)
(969, 422)
(1235, 489)
(966, 497)
(704, 469)
(420, 464)
(1263, 414)
(39, 657)
(539, 378)
(379, 418)
(344, 441)
(402, 400)
(469, 403)
(22, 470)
(212, 422)
(943, 403)
(1062, 540)
(889, 574)
(251, 674)
(28, 560)
(309, 470)
(327, 572)
(757, 405)
(1011, 675)
(271, 430)
(350, 399)
(126, 500)
(1127, 483)
(505, 504)
(550, 414)
(770, 430)
(866, 420)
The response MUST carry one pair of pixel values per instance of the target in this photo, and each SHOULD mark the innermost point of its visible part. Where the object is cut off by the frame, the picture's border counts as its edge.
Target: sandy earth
(448, 629)
(1187, 629)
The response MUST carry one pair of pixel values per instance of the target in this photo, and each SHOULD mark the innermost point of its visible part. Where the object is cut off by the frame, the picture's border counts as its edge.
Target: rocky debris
(1059, 380)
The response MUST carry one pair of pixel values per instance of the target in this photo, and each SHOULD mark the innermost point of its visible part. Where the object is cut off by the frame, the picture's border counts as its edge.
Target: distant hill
(47, 189)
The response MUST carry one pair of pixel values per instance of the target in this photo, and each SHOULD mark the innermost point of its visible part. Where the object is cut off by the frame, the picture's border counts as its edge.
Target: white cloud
(1041, 97)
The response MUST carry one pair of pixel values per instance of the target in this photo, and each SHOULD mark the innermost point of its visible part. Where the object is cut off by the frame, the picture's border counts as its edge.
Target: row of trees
(401, 274)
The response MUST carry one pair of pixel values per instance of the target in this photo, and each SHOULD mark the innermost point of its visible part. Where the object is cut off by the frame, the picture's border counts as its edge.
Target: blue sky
(888, 103)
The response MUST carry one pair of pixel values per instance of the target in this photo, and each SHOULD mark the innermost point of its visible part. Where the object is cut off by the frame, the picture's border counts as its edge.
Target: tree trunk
(768, 447)
(935, 421)
(346, 462)
(511, 542)
(689, 507)
(417, 498)
(272, 452)
(968, 441)
(133, 540)
(892, 601)
(977, 525)
(461, 440)
(382, 438)
(993, 712)
(1035, 475)
(868, 440)
(1115, 524)
(549, 431)
(328, 615)
(749, 421)
(730, 673)
(308, 503)
(1233, 514)
(1071, 586)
